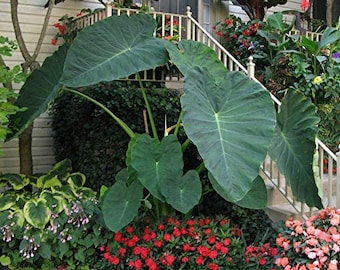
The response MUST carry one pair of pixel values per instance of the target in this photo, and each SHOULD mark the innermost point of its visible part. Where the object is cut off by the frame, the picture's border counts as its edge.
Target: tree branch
(18, 33)
(43, 31)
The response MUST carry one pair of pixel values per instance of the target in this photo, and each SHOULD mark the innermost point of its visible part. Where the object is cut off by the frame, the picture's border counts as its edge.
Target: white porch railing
(186, 27)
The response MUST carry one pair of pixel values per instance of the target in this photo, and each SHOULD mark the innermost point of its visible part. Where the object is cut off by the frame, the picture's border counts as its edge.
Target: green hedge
(92, 140)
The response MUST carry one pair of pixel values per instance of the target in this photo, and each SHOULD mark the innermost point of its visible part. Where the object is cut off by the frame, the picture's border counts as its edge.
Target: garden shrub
(94, 142)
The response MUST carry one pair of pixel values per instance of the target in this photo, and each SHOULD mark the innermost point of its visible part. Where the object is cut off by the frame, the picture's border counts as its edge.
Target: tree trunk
(30, 64)
(25, 151)
(329, 12)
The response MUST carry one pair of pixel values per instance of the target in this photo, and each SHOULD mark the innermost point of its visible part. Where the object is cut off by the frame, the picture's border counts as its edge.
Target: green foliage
(7, 95)
(93, 141)
(291, 62)
(49, 218)
(228, 117)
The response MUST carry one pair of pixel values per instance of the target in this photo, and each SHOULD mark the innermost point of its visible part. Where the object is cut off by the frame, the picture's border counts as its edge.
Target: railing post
(108, 9)
(251, 68)
(337, 193)
(189, 13)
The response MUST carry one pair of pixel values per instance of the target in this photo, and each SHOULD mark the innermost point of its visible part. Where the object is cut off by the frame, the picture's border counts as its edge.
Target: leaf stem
(148, 109)
(120, 122)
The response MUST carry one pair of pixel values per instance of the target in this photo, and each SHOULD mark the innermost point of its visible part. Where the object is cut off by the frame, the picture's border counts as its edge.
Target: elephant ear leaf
(183, 193)
(112, 49)
(40, 88)
(293, 146)
(231, 121)
(120, 204)
(256, 197)
(191, 53)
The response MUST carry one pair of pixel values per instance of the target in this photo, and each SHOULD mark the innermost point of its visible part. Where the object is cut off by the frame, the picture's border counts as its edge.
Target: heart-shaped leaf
(155, 161)
(39, 89)
(231, 121)
(182, 193)
(53, 200)
(37, 213)
(121, 203)
(114, 48)
(293, 146)
(190, 53)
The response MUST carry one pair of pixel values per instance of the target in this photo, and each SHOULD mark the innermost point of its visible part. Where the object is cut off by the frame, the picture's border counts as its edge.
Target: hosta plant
(228, 117)
(48, 220)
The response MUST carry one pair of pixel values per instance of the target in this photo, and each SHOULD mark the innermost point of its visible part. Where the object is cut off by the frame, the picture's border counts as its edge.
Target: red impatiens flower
(199, 260)
(212, 266)
(305, 4)
(54, 41)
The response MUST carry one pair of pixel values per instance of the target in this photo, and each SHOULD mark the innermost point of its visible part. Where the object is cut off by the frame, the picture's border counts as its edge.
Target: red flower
(161, 227)
(158, 243)
(305, 4)
(184, 259)
(186, 247)
(191, 222)
(199, 260)
(118, 237)
(167, 237)
(203, 250)
(130, 229)
(246, 32)
(122, 252)
(211, 240)
(167, 259)
(213, 254)
(262, 261)
(114, 260)
(229, 22)
(212, 266)
(176, 232)
(54, 41)
(219, 33)
(226, 242)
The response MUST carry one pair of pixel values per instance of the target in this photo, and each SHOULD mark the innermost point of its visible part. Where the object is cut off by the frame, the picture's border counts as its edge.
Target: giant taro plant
(230, 118)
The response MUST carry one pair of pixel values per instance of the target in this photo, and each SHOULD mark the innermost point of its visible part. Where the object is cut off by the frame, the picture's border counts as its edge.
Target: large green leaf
(293, 146)
(121, 203)
(40, 88)
(231, 123)
(37, 213)
(155, 161)
(7, 201)
(256, 198)
(182, 193)
(190, 53)
(114, 48)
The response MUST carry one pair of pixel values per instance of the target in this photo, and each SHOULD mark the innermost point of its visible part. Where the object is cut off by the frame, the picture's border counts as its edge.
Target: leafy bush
(7, 95)
(49, 220)
(95, 143)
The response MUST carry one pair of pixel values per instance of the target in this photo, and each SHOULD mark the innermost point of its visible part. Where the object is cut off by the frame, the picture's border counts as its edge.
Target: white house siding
(31, 17)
